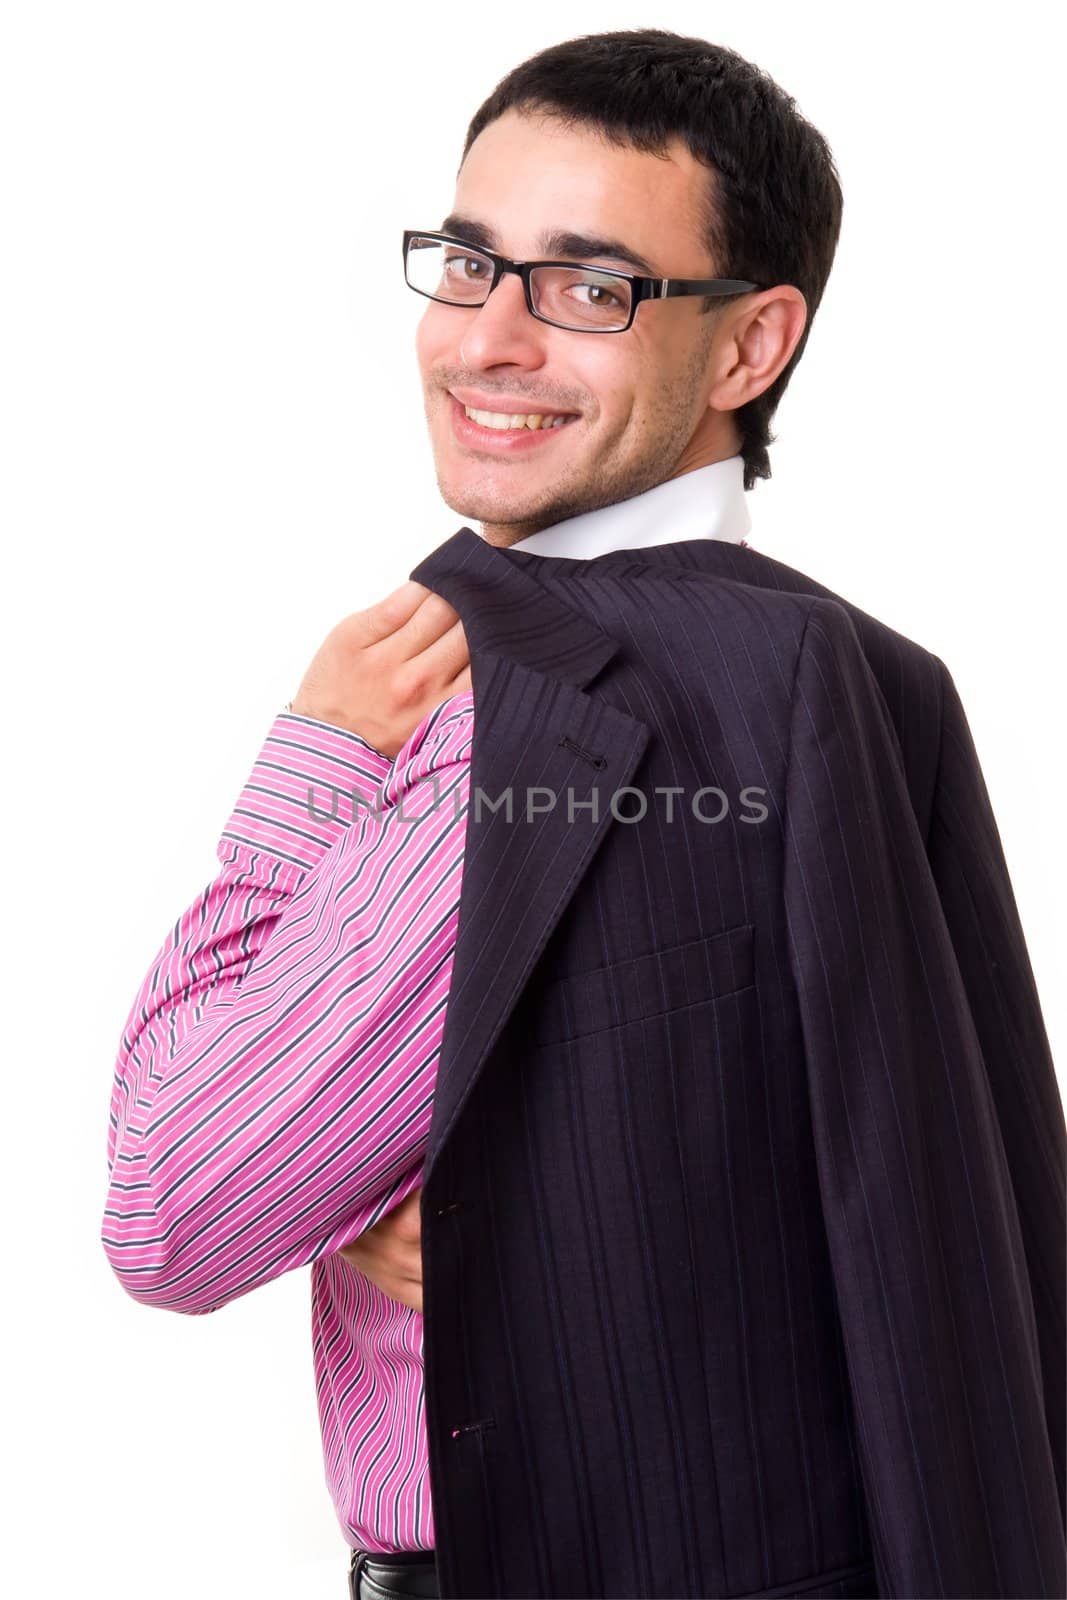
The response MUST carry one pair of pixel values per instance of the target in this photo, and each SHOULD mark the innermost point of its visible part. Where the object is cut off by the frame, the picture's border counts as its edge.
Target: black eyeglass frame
(642, 288)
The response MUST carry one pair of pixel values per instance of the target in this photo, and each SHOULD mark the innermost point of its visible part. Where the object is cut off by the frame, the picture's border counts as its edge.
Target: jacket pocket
(836, 1583)
(662, 981)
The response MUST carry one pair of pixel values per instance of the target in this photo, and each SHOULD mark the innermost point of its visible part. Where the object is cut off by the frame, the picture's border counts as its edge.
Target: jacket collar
(505, 611)
(509, 606)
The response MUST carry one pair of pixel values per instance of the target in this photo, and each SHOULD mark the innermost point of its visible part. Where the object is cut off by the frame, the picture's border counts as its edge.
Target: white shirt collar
(708, 503)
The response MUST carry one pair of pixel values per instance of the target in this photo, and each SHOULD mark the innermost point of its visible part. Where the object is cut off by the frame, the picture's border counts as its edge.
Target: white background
(214, 448)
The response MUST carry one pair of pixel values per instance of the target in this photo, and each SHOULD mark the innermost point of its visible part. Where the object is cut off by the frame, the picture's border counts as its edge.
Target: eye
(475, 261)
(608, 297)
(601, 289)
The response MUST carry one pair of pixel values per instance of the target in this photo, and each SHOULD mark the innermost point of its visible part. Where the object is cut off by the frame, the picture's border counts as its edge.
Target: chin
(470, 507)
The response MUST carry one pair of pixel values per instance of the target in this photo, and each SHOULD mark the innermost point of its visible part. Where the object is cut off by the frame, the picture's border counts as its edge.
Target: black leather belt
(374, 1576)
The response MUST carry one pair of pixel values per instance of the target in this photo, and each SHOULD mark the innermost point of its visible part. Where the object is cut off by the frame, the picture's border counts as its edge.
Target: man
(737, 1145)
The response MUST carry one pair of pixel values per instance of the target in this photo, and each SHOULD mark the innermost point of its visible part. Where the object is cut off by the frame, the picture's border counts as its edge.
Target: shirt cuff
(305, 789)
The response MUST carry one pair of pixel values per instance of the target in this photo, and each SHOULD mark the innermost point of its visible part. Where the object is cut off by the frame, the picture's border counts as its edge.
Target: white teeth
(498, 419)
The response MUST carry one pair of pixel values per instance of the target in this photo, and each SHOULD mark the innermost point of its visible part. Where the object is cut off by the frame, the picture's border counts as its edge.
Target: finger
(405, 1217)
(404, 1256)
(393, 612)
(426, 625)
(408, 1294)
(446, 656)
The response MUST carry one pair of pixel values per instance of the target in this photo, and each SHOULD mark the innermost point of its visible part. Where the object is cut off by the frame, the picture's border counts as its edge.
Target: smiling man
(649, 403)
(650, 1068)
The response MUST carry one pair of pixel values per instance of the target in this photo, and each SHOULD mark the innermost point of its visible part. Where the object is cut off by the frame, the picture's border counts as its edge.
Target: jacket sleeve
(945, 1249)
(967, 859)
(274, 1085)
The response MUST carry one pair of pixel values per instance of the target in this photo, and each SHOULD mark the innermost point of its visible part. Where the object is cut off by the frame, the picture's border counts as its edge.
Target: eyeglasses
(449, 270)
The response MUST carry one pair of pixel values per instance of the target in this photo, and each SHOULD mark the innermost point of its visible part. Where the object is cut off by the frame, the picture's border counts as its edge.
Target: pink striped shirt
(276, 1074)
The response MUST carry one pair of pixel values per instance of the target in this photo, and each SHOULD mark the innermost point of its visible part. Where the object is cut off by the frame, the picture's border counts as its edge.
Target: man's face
(641, 397)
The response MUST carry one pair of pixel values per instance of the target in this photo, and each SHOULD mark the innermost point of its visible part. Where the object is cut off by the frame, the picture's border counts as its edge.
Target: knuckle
(389, 612)
(409, 685)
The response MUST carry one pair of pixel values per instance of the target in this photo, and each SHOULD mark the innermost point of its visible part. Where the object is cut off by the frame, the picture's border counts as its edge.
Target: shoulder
(760, 614)
(749, 584)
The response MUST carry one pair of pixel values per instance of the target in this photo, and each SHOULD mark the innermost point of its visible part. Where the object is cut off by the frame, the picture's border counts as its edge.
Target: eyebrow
(555, 242)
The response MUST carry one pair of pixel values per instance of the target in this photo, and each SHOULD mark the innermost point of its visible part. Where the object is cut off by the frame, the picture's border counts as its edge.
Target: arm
(932, 1280)
(298, 800)
(275, 1079)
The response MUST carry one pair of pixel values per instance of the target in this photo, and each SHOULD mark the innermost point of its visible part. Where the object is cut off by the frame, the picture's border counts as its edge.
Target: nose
(503, 329)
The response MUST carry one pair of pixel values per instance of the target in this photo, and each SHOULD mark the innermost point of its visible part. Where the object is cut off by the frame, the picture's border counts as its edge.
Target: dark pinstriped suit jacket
(743, 1217)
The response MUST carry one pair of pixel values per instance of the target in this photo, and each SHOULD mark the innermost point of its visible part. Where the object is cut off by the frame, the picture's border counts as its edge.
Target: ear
(756, 344)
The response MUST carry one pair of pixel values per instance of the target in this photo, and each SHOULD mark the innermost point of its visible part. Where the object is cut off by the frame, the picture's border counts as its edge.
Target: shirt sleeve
(276, 1071)
(300, 796)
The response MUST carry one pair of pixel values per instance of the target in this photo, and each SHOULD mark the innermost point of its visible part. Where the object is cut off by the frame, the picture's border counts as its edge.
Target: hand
(382, 670)
(390, 1253)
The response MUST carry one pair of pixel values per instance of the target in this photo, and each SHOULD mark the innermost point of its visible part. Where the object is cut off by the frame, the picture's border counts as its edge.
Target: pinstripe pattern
(762, 1292)
(743, 1164)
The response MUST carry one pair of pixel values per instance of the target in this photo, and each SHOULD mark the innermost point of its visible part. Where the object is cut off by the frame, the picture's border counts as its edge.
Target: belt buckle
(355, 1570)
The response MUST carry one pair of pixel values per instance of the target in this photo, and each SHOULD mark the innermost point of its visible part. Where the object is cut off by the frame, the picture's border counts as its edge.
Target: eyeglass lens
(579, 297)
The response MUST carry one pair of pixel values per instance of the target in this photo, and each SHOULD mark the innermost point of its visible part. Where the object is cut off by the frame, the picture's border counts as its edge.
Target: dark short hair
(772, 210)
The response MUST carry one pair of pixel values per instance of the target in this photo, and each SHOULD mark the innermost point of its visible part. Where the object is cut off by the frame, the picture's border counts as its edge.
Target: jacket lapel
(537, 735)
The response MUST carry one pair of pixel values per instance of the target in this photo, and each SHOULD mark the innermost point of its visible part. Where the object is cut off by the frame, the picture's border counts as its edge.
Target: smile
(520, 419)
(501, 433)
